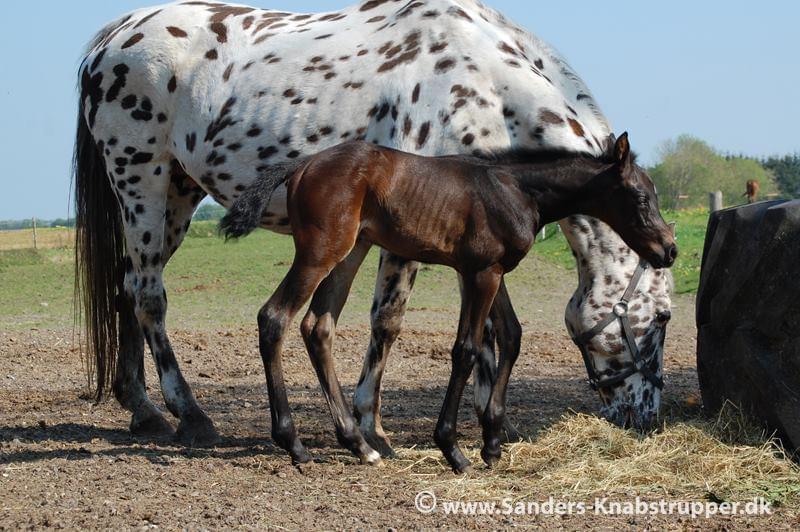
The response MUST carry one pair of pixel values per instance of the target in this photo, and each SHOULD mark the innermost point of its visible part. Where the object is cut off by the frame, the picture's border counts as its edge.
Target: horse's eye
(642, 199)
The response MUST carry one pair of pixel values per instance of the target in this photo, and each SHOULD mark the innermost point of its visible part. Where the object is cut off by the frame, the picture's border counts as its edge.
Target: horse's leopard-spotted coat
(219, 92)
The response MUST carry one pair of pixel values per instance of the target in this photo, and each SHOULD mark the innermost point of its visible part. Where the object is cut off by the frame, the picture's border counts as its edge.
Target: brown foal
(478, 215)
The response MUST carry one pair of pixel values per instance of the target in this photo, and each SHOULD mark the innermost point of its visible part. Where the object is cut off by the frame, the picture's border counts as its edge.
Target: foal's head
(628, 203)
(624, 197)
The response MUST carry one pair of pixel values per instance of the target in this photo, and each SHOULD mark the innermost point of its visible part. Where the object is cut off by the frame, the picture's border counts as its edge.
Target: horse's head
(630, 206)
(630, 398)
(623, 343)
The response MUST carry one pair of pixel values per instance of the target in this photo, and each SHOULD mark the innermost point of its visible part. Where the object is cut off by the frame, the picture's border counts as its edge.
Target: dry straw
(582, 456)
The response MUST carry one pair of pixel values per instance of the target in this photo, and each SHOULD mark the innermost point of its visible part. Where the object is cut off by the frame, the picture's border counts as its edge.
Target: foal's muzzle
(670, 254)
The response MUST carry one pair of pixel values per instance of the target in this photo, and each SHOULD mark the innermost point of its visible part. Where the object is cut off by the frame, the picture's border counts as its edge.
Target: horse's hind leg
(509, 336)
(129, 383)
(143, 189)
(392, 289)
(318, 328)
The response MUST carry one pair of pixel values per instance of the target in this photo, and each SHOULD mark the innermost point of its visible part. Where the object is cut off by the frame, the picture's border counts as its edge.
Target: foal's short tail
(246, 212)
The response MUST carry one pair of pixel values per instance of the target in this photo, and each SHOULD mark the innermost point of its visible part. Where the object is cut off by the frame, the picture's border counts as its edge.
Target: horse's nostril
(664, 316)
(672, 253)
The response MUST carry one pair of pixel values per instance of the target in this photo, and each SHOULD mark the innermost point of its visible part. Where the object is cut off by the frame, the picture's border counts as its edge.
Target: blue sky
(725, 71)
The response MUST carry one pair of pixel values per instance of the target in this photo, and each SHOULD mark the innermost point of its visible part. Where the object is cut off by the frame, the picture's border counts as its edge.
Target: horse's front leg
(509, 336)
(477, 295)
(318, 329)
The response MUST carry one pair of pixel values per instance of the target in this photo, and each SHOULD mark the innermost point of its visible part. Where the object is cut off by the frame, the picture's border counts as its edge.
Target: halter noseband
(618, 312)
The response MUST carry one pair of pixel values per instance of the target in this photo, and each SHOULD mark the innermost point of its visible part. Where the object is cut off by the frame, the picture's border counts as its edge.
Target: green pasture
(218, 284)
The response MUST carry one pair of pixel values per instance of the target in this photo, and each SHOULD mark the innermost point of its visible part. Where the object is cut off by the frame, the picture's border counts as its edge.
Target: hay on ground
(582, 456)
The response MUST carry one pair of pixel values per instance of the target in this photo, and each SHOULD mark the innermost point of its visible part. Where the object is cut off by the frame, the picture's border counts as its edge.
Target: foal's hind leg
(393, 287)
(318, 328)
(129, 383)
(273, 321)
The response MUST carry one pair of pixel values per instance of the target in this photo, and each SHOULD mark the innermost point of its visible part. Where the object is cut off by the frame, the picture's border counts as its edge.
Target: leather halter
(618, 312)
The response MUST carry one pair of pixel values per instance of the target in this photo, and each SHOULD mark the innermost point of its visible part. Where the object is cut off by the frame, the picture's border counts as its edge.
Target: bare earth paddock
(65, 462)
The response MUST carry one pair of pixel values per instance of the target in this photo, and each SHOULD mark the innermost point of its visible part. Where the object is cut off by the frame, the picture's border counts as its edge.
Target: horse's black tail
(246, 212)
(99, 258)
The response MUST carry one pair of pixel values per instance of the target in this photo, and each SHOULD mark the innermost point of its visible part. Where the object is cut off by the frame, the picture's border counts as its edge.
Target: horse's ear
(608, 145)
(622, 149)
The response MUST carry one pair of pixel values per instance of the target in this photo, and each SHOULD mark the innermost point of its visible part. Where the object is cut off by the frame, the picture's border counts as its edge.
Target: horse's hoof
(380, 444)
(463, 469)
(197, 433)
(511, 434)
(490, 456)
(372, 459)
(151, 424)
(300, 456)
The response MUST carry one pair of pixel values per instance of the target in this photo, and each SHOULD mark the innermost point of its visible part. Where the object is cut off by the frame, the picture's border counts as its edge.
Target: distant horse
(351, 196)
(752, 191)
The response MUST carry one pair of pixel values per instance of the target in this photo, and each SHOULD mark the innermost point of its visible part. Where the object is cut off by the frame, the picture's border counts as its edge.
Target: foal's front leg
(273, 321)
(318, 328)
(509, 335)
(476, 300)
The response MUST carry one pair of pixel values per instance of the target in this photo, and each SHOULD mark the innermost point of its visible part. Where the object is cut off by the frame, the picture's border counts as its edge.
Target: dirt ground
(67, 463)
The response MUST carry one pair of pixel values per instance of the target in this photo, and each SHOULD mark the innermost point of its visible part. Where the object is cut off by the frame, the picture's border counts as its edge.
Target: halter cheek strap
(619, 312)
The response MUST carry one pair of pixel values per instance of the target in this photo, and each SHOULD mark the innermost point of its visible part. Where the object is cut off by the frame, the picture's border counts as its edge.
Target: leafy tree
(787, 173)
(11, 225)
(62, 222)
(689, 169)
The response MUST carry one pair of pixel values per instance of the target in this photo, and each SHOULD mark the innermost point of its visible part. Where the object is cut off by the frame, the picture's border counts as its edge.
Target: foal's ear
(622, 149)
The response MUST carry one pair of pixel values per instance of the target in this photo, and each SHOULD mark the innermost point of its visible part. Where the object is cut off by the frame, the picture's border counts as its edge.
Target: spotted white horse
(198, 98)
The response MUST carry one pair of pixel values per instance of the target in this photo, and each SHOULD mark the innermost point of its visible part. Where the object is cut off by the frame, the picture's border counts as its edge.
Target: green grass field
(211, 283)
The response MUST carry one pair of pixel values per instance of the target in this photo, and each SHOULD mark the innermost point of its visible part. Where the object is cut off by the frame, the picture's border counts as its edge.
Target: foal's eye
(642, 199)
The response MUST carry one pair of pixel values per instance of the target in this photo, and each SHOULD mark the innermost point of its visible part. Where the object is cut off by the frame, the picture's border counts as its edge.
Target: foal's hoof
(197, 433)
(300, 456)
(372, 459)
(511, 434)
(380, 444)
(490, 456)
(463, 469)
(151, 424)
(460, 463)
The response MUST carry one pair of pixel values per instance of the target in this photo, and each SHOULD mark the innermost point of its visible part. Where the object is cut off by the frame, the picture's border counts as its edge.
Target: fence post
(34, 232)
(715, 201)
(543, 232)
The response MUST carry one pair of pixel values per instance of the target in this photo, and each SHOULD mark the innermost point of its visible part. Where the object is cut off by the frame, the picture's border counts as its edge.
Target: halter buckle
(620, 309)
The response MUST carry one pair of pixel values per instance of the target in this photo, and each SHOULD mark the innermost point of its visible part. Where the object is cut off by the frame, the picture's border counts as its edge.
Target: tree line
(12, 225)
(688, 169)
(205, 212)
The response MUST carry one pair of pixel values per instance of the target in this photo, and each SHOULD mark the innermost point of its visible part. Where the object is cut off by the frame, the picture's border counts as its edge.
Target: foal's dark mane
(520, 155)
